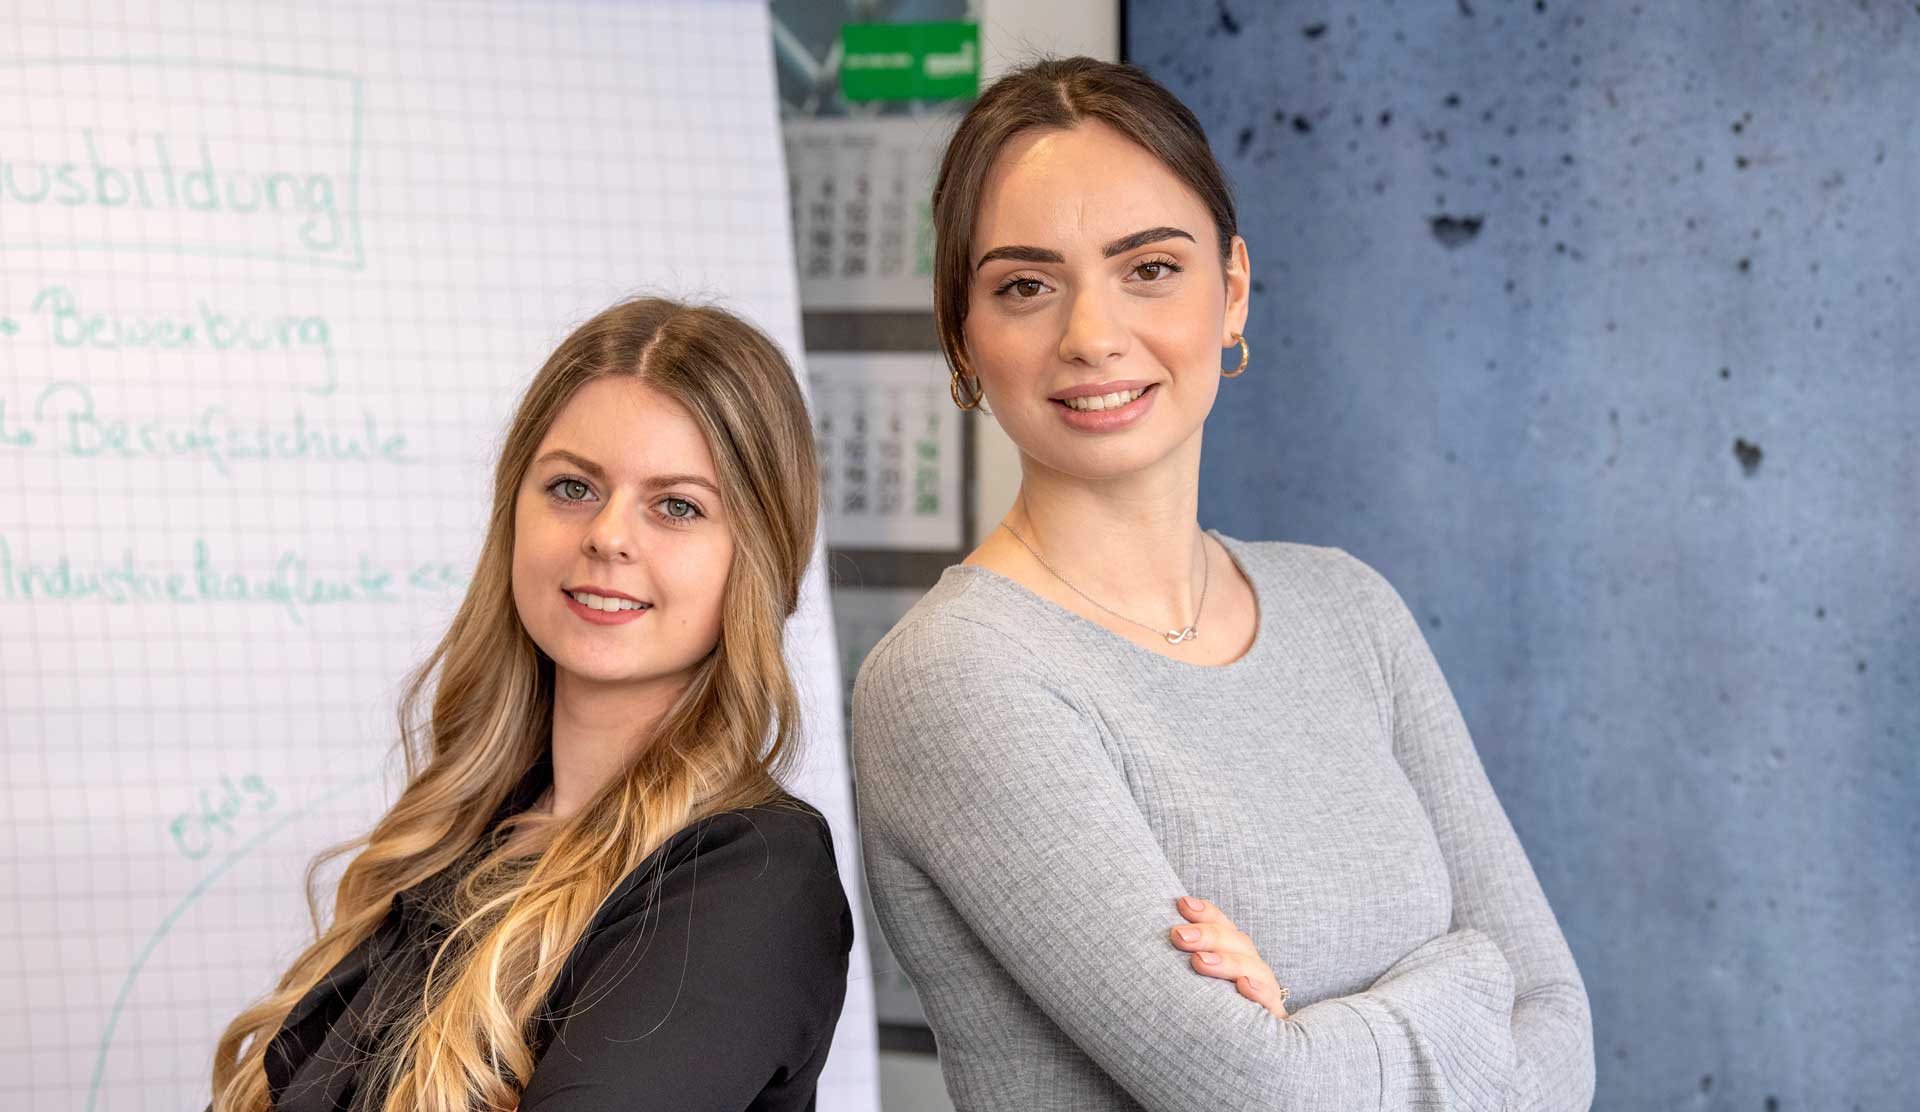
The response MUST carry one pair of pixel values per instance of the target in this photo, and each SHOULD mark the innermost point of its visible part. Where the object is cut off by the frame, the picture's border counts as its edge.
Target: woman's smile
(602, 609)
(1110, 411)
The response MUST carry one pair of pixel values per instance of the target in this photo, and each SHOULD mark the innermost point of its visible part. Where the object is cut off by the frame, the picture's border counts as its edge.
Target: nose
(610, 536)
(1094, 334)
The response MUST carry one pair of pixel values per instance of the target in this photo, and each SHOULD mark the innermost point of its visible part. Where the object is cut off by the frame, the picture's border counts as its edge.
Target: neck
(1131, 541)
(598, 729)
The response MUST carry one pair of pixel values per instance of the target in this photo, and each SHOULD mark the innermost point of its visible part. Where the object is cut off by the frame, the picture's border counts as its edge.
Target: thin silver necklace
(1173, 636)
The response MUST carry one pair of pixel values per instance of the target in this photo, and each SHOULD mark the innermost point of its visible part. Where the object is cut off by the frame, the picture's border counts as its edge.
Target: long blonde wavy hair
(724, 744)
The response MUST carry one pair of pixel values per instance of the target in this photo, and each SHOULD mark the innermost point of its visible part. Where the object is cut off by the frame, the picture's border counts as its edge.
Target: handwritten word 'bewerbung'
(69, 326)
(65, 419)
(139, 171)
(293, 583)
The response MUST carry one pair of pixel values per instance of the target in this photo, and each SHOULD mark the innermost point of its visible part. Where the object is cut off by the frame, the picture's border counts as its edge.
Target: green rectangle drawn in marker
(137, 160)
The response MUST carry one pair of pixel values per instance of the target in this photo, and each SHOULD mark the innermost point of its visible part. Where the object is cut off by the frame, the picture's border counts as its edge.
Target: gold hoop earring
(953, 388)
(1242, 368)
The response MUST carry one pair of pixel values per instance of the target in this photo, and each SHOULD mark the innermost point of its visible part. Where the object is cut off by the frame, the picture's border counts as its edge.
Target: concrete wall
(1593, 326)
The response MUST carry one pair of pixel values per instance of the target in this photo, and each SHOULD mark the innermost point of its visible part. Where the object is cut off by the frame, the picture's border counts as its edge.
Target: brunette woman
(1155, 816)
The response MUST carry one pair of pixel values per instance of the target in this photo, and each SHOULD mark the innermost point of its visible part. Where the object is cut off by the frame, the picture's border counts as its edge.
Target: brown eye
(1154, 271)
(1026, 287)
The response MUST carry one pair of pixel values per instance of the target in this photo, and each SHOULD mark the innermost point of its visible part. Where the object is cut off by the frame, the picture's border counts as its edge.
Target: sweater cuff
(1442, 1020)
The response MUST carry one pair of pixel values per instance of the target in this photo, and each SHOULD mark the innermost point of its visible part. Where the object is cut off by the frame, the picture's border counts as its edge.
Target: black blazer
(710, 979)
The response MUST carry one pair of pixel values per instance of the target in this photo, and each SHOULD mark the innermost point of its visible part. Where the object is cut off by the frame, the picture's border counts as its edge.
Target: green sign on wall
(909, 61)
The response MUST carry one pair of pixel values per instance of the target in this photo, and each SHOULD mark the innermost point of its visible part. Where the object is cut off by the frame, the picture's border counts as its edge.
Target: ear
(1239, 291)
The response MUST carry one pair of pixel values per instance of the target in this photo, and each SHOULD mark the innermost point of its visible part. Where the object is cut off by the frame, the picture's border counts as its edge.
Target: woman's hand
(1220, 950)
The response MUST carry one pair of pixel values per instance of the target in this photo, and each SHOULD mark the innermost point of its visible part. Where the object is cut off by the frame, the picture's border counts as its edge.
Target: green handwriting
(195, 831)
(293, 584)
(65, 419)
(292, 197)
(69, 326)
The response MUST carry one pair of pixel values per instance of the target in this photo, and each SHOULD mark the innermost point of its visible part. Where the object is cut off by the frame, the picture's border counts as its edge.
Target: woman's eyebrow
(1141, 239)
(1118, 246)
(582, 462)
(659, 482)
(654, 481)
(1021, 255)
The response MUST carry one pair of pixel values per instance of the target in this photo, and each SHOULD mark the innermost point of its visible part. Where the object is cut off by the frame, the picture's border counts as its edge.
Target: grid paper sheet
(271, 279)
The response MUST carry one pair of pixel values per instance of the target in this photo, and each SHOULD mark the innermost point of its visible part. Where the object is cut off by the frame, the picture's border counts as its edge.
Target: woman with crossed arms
(1156, 817)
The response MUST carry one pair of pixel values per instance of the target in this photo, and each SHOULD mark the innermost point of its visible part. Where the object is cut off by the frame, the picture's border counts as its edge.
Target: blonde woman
(593, 892)
(1156, 817)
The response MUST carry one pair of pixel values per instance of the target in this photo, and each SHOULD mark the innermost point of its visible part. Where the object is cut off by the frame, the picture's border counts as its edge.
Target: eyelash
(670, 519)
(1165, 264)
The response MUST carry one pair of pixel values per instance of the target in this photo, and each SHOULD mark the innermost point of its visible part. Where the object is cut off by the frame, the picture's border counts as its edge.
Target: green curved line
(187, 901)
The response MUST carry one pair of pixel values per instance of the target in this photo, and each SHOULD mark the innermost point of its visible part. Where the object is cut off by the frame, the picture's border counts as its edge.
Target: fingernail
(1188, 934)
(1210, 958)
(1190, 903)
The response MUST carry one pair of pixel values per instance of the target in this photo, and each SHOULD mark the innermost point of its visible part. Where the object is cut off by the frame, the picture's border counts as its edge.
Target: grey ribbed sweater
(1035, 792)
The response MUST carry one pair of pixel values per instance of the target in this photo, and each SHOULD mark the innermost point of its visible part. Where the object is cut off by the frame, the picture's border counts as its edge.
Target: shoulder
(1326, 594)
(737, 929)
(764, 850)
(1298, 567)
(974, 636)
(786, 837)
(753, 869)
(970, 613)
(742, 895)
(1324, 575)
(974, 643)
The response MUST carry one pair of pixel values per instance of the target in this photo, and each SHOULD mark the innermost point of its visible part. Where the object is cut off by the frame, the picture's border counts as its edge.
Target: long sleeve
(714, 983)
(1494, 887)
(979, 771)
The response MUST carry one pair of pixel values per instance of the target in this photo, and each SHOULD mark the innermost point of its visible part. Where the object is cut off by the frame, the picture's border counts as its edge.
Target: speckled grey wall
(1594, 327)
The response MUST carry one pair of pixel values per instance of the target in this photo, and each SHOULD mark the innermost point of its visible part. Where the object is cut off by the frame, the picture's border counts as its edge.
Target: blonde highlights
(464, 1041)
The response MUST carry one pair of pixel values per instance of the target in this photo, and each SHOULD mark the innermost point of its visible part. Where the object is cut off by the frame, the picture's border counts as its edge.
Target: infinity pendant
(1176, 636)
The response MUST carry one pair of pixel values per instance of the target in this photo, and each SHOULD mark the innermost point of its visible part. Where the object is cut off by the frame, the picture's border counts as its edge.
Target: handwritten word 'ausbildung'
(290, 581)
(141, 172)
(65, 419)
